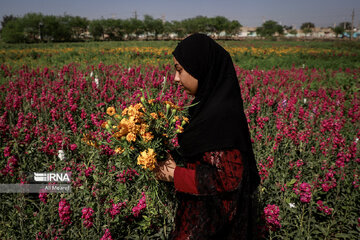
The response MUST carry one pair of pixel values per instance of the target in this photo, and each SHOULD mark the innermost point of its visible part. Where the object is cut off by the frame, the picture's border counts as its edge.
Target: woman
(216, 186)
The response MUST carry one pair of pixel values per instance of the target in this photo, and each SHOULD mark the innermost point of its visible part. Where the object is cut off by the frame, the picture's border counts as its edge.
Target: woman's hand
(165, 170)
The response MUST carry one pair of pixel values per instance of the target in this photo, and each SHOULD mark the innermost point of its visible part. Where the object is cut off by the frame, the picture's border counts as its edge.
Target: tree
(113, 28)
(338, 30)
(78, 26)
(96, 29)
(179, 28)
(168, 28)
(32, 26)
(345, 25)
(269, 28)
(13, 32)
(233, 27)
(6, 19)
(307, 27)
(153, 26)
(219, 24)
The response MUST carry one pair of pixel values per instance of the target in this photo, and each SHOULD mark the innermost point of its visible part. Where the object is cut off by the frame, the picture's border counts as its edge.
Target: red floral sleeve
(219, 171)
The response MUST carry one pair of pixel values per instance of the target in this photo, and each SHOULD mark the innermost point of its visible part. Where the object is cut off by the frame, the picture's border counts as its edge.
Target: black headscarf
(218, 120)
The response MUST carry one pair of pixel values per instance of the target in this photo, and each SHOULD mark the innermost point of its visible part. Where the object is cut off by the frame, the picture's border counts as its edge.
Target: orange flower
(147, 159)
(180, 129)
(131, 137)
(147, 136)
(110, 111)
(154, 115)
(119, 150)
(104, 125)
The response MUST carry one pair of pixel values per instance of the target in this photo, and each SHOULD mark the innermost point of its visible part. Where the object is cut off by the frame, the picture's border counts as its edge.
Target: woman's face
(188, 82)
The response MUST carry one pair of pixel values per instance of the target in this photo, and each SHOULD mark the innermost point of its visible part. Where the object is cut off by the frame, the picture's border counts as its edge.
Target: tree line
(36, 27)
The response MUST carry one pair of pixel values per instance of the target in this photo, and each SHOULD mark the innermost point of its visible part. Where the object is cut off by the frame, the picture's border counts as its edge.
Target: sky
(252, 13)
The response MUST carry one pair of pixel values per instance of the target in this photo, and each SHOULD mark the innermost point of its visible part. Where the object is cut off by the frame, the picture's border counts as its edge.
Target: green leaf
(343, 235)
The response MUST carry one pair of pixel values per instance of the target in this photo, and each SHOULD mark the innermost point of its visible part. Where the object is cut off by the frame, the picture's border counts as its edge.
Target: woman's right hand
(165, 170)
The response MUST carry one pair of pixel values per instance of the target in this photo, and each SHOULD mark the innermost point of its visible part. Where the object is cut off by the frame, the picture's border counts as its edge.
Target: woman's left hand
(165, 170)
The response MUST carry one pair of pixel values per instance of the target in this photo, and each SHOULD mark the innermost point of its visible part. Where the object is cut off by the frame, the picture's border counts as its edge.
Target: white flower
(292, 205)
(129, 70)
(91, 74)
(96, 81)
(305, 100)
(303, 66)
(356, 140)
(61, 154)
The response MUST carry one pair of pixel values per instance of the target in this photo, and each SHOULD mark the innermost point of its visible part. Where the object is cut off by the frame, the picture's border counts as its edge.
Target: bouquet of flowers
(145, 131)
(141, 135)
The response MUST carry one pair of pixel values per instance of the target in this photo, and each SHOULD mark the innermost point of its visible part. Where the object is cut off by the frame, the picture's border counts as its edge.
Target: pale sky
(322, 13)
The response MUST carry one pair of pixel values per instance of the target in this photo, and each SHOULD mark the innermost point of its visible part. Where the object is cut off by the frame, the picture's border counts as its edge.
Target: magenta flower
(43, 197)
(107, 235)
(64, 212)
(73, 147)
(87, 216)
(140, 206)
(272, 217)
(321, 207)
(305, 192)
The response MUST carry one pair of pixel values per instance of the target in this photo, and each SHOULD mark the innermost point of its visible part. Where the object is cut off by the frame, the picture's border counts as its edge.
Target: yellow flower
(131, 137)
(147, 159)
(154, 115)
(143, 128)
(124, 112)
(147, 136)
(104, 125)
(110, 111)
(180, 129)
(119, 150)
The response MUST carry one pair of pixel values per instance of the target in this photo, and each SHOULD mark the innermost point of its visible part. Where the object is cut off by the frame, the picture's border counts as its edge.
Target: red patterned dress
(207, 189)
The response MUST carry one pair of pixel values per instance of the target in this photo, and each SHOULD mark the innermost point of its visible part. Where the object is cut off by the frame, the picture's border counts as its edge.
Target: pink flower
(107, 235)
(321, 207)
(87, 216)
(73, 147)
(64, 212)
(115, 209)
(272, 217)
(43, 197)
(140, 206)
(305, 192)
(7, 152)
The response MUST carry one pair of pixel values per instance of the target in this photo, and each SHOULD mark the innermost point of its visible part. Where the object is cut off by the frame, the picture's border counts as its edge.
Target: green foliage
(307, 27)
(13, 32)
(96, 29)
(35, 27)
(269, 28)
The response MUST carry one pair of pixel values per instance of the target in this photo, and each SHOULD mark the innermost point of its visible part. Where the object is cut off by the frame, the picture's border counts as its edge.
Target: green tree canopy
(269, 28)
(307, 27)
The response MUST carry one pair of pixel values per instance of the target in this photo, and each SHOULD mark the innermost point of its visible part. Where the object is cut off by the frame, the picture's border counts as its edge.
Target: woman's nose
(177, 78)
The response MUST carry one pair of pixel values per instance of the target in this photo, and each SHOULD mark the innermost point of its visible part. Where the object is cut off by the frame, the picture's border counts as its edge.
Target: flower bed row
(305, 135)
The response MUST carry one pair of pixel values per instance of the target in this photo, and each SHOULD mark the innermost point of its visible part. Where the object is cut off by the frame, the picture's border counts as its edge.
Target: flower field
(303, 109)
